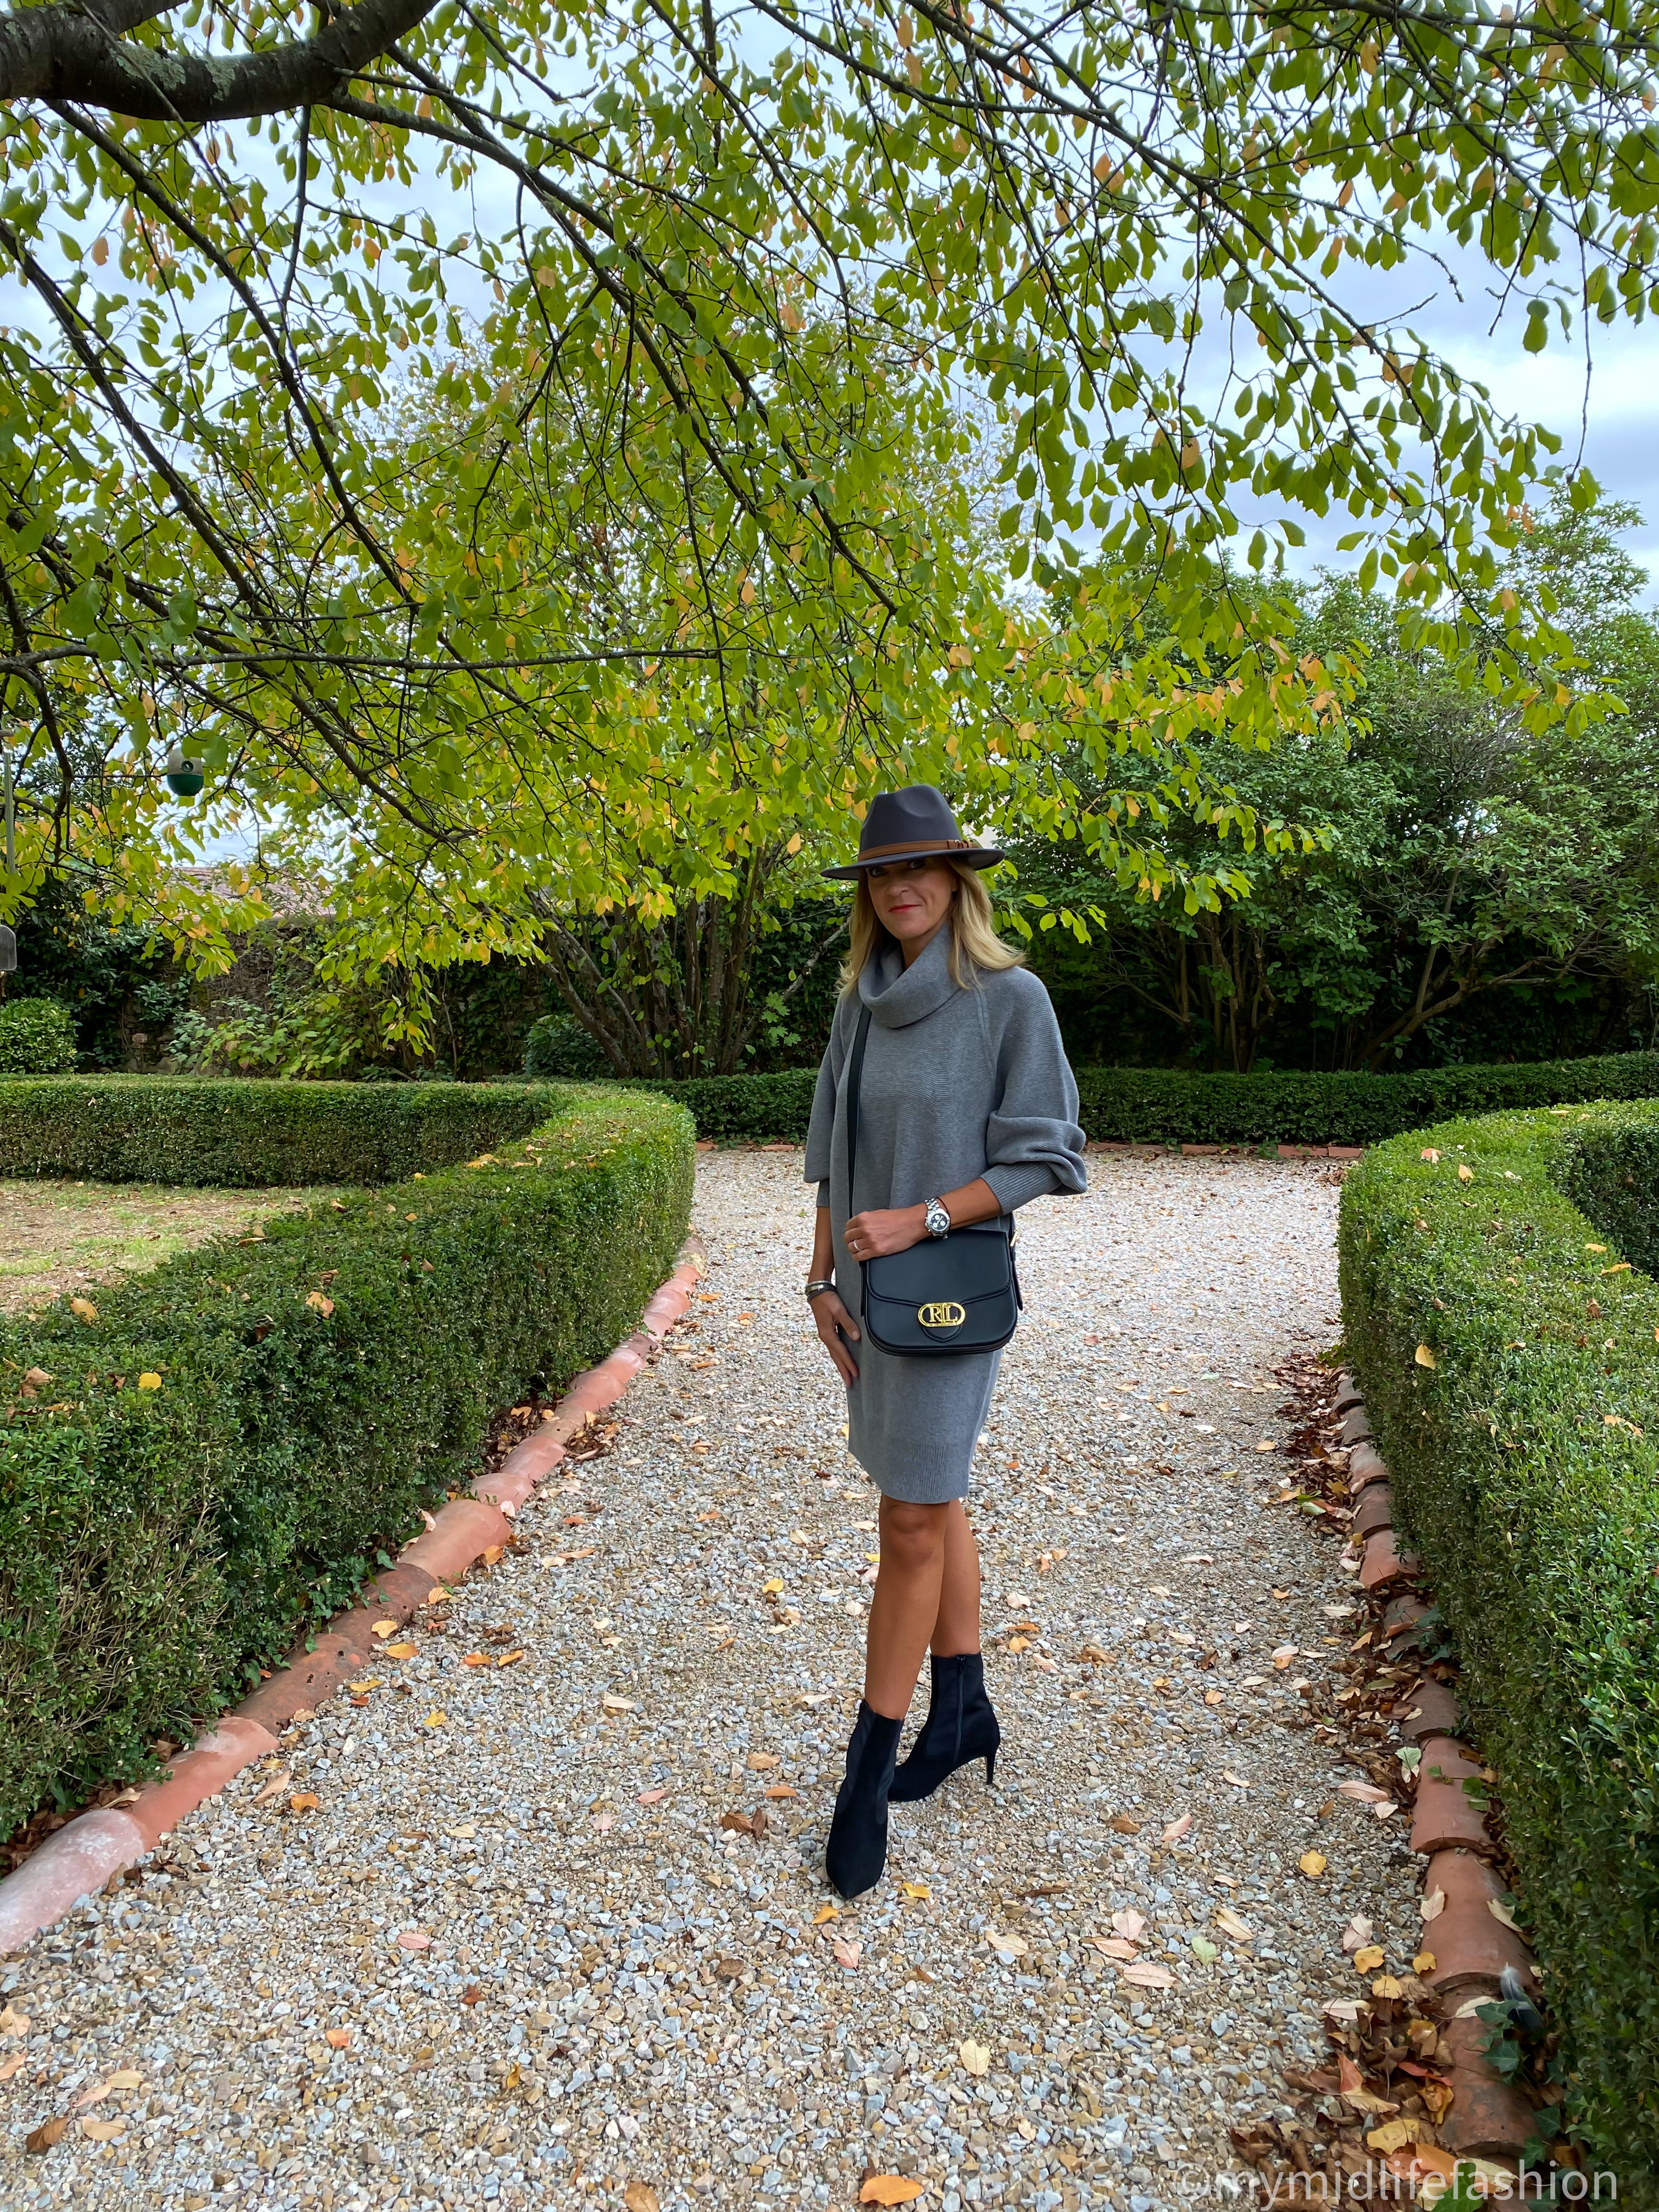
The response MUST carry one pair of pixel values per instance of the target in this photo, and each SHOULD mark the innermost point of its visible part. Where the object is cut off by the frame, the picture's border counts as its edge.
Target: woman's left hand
(874, 1235)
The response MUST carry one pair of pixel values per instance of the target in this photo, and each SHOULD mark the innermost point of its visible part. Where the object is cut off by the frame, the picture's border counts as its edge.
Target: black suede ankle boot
(961, 1725)
(857, 1850)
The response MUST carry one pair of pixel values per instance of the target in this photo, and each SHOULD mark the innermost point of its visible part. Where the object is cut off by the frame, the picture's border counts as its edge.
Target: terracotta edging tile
(1489, 2118)
(1471, 1945)
(83, 1855)
(1375, 1511)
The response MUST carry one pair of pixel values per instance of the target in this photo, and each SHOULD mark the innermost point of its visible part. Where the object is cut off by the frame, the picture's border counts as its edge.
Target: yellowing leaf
(149, 1381)
(1424, 1963)
(401, 1651)
(304, 1801)
(641, 2197)
(510, 1658)
(919, 1889)
(1312, 1863)
(1465, 1173)
(383, 1628)
(319, 1303)
(83, 1309)
(1423, 1356)
(1368, 1958)
(437, 1717)
(476, 1659)
(825, 1912)
(770, 1588)
(891, 2189)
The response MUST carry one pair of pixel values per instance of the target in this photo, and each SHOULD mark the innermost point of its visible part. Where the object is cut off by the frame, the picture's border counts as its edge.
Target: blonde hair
(975, 948)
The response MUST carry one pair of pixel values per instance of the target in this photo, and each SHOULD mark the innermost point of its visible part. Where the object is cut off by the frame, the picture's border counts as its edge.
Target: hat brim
(971, 856)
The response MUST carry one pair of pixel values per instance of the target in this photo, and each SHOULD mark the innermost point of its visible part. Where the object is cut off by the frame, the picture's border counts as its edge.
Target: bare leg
(956, 1628)
(908, 1585)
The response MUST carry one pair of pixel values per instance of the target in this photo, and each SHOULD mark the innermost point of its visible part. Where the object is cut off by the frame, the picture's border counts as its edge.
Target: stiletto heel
(990, 1769)
(960, 1728)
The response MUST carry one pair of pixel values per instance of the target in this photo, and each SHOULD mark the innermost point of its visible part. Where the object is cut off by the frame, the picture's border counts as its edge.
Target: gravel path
(513, 1956)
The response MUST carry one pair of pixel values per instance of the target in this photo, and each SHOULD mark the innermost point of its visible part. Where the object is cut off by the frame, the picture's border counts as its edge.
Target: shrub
(1525, 1465)
(232, 1130)
(557, 1045)
(215, 1452)
(1156, 1106)
(37, 1038)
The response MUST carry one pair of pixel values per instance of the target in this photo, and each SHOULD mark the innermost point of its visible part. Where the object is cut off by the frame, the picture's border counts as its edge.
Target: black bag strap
(854, 1084)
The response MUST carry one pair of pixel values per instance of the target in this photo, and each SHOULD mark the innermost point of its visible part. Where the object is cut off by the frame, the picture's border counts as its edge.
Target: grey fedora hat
(912, 825)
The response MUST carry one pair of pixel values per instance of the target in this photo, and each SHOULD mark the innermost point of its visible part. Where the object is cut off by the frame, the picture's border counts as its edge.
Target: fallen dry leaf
(1238, 1780)
(761, 1762)
(383, 1628)
(976, 2057)
(1368, 1958)
(476, 1659)
(782, 1789)
(304, 1801)
(1358, 1931)
(510, 1658)
(729, 1969)
(1465, 1173)
(1312, 1863)
(54, 2129)
(1114, 1947)
(1423, 1356)
(492, 1554)
(915, 1888)
(83, 1309)
(1181, 1826)
(103, 2130)
(319, 1303)
(1424, 1963)
(1363, 1793)
(15, 2064)
(436, 1718)
(652, 1796)
(12, 2022)
(149, 1382)
(1123, 1826)
(401, 1651)
(1146, 1974)
(641, 2197)
(891, 2188)
(338, 2038)
(613, 1703)
(1129, 1925)
(413, 1939)
(1009, 1946)
(825, 1912)
(274, 1787)
(846, 1952)
(1231, 1925)
(1501, 1912)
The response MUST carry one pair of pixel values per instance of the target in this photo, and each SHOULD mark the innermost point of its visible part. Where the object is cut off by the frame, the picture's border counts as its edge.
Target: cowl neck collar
(897, 995)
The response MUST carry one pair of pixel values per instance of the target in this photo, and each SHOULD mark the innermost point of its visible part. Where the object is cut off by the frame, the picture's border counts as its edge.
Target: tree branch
(74, 53)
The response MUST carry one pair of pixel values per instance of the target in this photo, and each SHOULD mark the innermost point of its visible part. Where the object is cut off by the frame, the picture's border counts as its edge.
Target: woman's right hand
(835, 1326)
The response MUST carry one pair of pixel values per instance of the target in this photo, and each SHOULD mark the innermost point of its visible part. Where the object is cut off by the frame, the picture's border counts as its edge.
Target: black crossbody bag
(947, 1294)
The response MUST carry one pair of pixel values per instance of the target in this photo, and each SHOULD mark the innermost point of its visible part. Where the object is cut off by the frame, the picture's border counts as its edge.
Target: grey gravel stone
(614, 1987)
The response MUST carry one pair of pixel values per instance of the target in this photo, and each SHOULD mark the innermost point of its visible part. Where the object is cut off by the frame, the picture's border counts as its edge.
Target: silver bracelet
(824, 1283)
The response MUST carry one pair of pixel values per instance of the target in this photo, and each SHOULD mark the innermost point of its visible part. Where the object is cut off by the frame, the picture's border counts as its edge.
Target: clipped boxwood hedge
(1525, 1461)
(228, 1132)
(1157, 1106)
(219, 1453)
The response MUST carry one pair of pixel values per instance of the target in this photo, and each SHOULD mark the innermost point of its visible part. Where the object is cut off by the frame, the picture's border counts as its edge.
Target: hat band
(917, 845)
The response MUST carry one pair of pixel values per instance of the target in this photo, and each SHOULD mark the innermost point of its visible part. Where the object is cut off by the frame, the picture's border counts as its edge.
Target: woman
(968, 1109)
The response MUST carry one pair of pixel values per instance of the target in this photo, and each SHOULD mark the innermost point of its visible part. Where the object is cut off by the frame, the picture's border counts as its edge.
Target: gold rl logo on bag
(943, 1313)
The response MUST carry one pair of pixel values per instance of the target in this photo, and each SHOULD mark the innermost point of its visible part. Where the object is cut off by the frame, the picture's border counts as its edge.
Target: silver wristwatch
(938, 1221)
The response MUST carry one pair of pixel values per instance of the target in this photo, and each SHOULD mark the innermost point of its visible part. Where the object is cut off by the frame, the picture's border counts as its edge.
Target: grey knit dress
(957, 1084)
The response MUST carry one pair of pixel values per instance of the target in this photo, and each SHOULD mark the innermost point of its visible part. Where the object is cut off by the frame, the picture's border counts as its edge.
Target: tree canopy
(699, 295)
